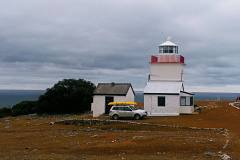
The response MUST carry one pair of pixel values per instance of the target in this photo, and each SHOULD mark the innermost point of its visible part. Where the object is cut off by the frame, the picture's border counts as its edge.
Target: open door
(108, 107)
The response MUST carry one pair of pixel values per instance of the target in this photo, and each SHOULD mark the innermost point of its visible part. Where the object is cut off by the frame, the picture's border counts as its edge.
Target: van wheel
(137, 116)
(115, 117)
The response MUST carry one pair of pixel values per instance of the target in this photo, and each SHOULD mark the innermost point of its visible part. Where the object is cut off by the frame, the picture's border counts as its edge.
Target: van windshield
(133, 108)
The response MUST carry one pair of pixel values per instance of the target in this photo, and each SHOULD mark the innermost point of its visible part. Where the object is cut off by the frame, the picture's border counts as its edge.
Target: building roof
(161, 87)
(112, 89)
(168, 43)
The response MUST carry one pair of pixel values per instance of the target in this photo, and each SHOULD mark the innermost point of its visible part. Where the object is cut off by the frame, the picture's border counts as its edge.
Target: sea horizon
(10, 97)
(231, 96)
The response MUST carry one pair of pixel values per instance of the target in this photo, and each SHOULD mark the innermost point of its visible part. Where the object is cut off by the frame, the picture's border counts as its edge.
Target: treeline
(66, 96)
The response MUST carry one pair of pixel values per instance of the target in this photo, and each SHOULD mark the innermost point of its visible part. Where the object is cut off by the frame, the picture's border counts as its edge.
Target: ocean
(201, 96)
(8, 98)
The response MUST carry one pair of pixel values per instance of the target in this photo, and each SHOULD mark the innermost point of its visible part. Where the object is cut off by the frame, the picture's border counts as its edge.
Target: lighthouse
(164, 94)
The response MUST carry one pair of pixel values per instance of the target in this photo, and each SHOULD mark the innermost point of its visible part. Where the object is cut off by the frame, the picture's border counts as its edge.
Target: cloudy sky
(43, 41)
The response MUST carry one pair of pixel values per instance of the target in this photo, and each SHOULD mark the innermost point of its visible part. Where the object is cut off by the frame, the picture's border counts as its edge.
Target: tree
(24, 107)
(67, 96)
(4, 112)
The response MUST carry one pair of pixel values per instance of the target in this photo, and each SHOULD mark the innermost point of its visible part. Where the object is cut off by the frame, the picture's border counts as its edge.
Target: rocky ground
(212, 134)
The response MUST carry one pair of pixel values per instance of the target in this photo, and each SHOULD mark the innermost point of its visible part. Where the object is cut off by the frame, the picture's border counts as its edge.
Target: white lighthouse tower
(164, 94)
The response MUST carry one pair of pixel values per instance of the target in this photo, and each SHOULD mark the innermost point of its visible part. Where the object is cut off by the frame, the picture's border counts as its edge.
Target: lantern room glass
(168, 49)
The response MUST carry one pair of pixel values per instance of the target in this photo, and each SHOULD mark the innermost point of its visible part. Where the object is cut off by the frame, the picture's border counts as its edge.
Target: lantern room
(168, 47)
(168, 53)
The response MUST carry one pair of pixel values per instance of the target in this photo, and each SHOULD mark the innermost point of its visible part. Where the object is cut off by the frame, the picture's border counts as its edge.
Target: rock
(225, 157)
(93, 136)
(6, 127)
(210, 140)
(114, 141)
(137, 137)
(34, 150)
(210, 154)
(51, 123)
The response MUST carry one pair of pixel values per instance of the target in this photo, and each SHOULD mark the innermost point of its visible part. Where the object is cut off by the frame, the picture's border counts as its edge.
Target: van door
(127, 112)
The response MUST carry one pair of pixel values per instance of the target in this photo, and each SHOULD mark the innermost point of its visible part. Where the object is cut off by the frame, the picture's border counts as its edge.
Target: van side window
(120, 108)
(127, 109)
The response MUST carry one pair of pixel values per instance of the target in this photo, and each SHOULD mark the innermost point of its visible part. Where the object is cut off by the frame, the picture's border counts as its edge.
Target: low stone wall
(99, 122)
(88, 122)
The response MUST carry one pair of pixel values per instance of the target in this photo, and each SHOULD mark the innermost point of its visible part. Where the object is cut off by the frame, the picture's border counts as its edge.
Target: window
(165, 51)
(115, 108)
(170, 49)
(183, 101)
(161, 101)
(186, 101)
(120, 108)
(191, 101)
(126, 109)
(133, 108)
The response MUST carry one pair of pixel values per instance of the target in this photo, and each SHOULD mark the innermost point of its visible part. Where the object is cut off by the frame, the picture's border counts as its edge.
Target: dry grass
(29, 137)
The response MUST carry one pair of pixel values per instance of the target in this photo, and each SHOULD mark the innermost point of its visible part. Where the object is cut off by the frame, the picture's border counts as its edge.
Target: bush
(4, 112)
(67, 96)
(24, 107)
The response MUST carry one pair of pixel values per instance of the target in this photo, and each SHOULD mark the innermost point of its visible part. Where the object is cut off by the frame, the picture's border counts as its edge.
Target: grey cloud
(44, 41)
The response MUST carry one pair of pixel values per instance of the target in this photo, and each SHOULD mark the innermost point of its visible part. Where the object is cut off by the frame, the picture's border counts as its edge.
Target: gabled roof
(120, 89)
(168, 43)
(188, 93)
(154, 87)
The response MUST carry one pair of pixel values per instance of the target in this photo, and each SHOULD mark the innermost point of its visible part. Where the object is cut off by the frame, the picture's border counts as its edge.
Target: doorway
(108, 107)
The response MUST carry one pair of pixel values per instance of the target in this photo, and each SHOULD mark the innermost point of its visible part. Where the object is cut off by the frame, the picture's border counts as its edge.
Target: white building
(110, 92)
(164, 94)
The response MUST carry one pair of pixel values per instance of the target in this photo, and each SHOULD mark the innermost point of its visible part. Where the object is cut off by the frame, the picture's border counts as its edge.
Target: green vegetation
(66, 96)
(24, 107)
(4, 112)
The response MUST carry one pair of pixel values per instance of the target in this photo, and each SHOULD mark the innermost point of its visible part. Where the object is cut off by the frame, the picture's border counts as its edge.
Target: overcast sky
(43, 41)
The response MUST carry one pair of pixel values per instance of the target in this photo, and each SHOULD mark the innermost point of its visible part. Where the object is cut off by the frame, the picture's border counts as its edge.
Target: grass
(182, 137)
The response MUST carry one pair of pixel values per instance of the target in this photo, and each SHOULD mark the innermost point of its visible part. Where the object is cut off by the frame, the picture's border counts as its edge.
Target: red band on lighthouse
(167, 59)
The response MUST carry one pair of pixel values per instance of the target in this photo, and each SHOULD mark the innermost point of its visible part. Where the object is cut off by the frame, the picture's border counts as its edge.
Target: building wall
(171, 108)
(186, 109)
(130, 95)
(166, 71)
(98, 105)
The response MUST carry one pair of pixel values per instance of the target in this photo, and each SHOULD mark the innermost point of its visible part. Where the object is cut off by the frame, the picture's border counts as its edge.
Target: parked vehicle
(117, 112)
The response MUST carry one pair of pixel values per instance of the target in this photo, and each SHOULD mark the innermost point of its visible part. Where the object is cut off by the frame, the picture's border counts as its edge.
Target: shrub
(4, 112)
(67, 96)
(24, 107)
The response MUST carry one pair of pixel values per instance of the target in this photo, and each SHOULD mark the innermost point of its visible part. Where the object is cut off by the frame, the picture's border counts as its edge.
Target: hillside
(212, 134)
